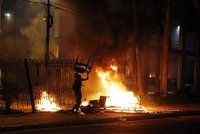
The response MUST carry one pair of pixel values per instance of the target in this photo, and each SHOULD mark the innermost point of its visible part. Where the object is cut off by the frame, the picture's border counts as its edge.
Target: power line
(61, 5)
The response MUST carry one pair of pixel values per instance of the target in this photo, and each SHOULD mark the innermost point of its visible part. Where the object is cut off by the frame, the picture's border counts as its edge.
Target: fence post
(37, 72)
(5, 93)
(29, 85)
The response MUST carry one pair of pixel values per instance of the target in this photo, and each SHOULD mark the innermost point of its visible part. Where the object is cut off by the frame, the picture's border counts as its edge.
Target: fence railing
(23, 81)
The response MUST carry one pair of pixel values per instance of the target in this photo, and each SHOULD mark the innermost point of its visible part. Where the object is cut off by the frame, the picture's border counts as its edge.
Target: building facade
(183, 53)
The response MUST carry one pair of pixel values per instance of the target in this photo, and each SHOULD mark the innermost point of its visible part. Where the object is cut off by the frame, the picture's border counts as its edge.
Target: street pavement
(172, 125)
(41, 120)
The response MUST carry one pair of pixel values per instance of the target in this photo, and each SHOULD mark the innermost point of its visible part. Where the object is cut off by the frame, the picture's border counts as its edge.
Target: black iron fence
(23, 81)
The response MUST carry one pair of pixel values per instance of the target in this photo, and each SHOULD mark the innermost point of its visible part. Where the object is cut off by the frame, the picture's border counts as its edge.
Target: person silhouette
(77, 84)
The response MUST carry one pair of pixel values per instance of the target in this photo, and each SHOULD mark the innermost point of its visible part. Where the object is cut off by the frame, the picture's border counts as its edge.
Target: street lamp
(178, 29)
(7, 15)
(178, 32)
(8, 21)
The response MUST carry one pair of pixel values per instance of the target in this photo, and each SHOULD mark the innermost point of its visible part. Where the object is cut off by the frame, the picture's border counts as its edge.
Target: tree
(137, 57)
(165, 52)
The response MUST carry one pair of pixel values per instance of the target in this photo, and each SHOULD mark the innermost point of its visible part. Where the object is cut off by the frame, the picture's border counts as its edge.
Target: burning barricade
(116, 97)
(94, 106)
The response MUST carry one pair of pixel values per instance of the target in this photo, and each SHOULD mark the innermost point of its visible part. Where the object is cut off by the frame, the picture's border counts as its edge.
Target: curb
(98, 121)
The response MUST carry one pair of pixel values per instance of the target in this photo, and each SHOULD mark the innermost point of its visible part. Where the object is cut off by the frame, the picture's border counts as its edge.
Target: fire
(114, 67)
(118, 94)
(85, 103)
(151, 75)
(47, 103)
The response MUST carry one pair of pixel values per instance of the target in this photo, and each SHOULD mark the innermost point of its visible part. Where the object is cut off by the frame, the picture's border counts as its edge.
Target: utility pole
(49, 23)
(1, 1)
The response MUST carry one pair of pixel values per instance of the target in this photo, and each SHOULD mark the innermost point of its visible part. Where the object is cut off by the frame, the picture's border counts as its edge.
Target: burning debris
(119, 98)
(47, 103)
(94, 106)
(115, 96)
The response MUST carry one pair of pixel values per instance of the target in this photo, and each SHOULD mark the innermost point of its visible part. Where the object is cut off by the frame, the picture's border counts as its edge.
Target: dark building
(183, 53)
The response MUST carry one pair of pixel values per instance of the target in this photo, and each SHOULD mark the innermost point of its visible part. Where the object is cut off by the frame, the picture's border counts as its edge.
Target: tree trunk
(137, 58)
(165, 53)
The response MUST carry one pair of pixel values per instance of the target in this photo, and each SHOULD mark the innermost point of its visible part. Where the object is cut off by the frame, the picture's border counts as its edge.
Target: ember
(119, 98)
(47, 103)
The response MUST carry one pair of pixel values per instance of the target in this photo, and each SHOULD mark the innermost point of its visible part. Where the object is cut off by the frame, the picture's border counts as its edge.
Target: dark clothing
(77, 84)
(77, 92)
(78, 96)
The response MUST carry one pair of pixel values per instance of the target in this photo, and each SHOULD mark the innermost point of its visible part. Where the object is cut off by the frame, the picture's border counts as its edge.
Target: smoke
(102, 28)
(13, 46)
(23, 34)
(102, 32)
(35, 35)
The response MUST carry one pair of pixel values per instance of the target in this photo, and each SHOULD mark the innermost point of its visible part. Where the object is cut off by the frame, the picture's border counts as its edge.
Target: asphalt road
(175, 125)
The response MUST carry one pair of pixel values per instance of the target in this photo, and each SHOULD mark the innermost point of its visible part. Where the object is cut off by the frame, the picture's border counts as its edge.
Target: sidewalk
(44, 120)
(184, 108)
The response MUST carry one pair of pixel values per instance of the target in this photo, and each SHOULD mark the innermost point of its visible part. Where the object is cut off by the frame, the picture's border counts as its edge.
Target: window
(173, 73)
(152, 61)
(189, 74)
(190, 41)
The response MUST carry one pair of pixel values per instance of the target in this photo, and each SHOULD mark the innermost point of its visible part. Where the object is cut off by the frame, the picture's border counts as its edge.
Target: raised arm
(84, 79)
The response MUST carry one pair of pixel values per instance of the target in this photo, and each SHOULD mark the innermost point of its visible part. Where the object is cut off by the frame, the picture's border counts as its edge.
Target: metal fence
(22, 81)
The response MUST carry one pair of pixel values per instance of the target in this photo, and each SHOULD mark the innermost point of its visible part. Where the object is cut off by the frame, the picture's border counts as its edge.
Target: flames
(119, 98)
(47, 103)
(118, 94)
(85, 103)
(152, 75)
